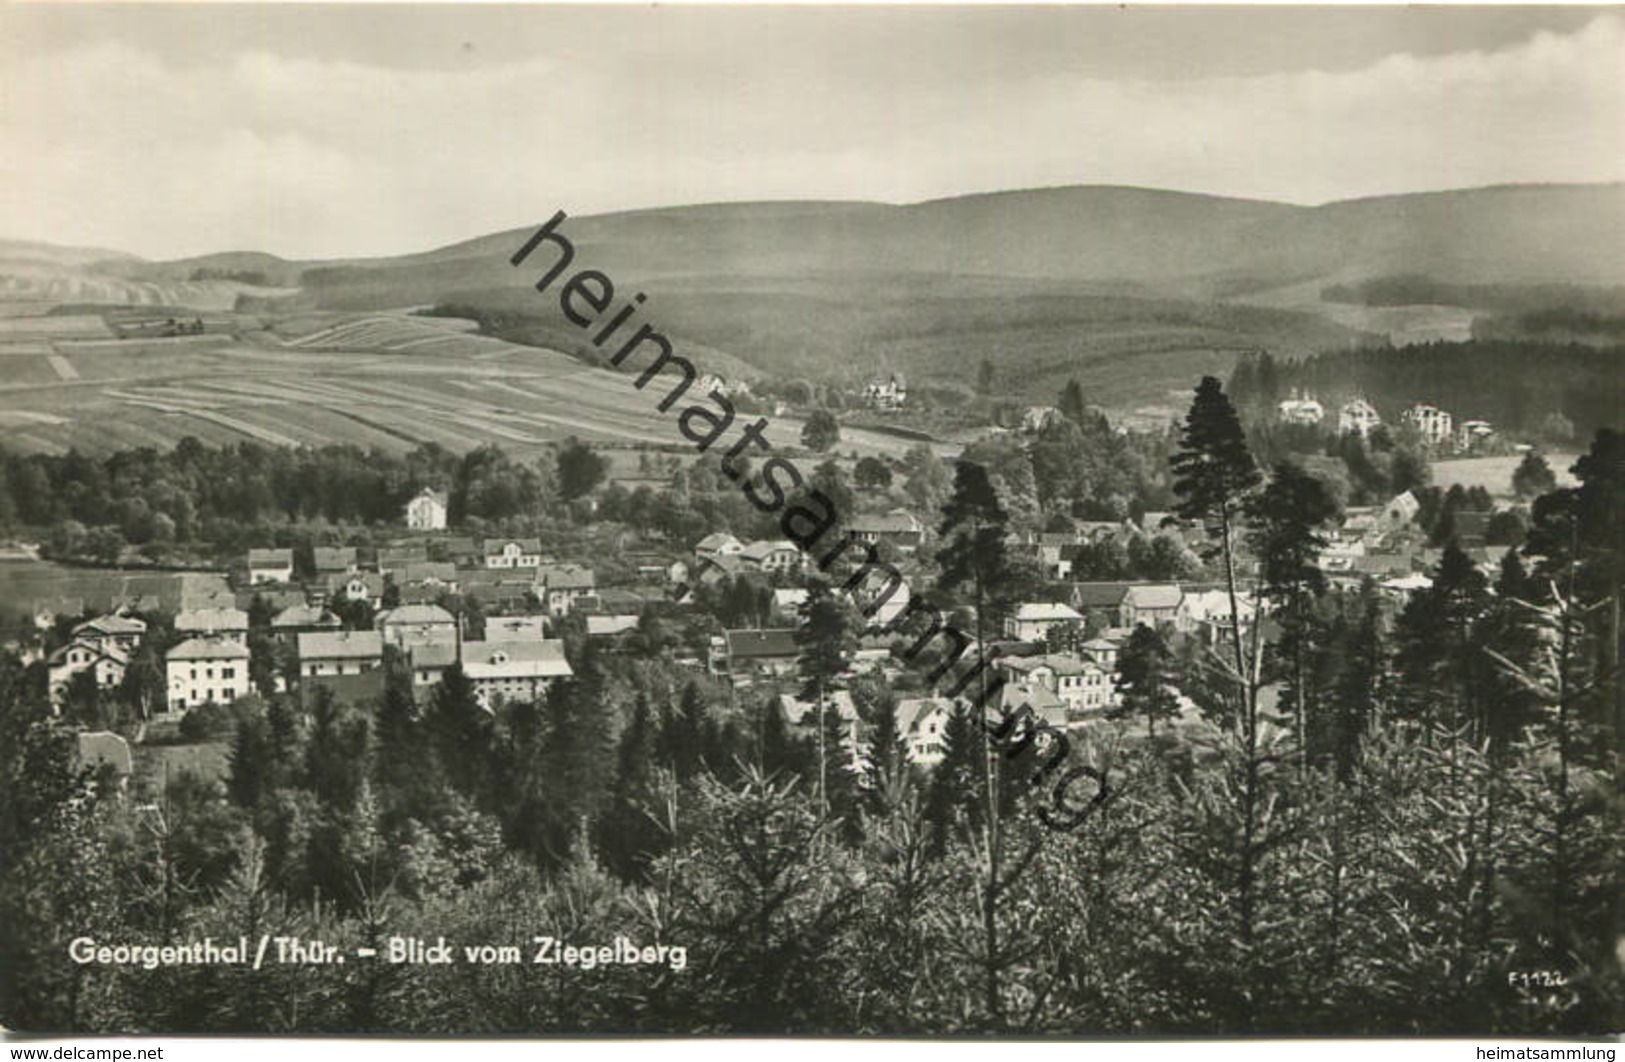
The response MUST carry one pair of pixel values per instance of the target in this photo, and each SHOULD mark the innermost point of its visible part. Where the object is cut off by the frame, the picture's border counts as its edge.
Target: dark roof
(750, 645)
(334, 558)
(268, 558)
(1098, 595)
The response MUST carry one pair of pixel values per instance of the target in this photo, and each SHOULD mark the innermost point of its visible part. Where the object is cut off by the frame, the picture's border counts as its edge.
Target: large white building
(1433, 423)
(427, 511)
(513, 671)
(206, 670)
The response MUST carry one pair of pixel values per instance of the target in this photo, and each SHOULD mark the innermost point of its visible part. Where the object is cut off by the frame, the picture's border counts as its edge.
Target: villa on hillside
(886, 395)
(1304, 410)
(427, 511)
(1357, 416)
(1432, 422)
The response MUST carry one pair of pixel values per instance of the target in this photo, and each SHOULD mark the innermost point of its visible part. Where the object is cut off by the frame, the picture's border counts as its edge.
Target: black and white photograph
(1072, 522)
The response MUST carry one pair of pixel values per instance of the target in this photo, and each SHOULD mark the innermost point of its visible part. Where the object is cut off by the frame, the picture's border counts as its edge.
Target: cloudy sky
(345, 131)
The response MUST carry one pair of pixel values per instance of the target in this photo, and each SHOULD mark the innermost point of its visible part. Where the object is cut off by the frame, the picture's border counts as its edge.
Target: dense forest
(1389, 817)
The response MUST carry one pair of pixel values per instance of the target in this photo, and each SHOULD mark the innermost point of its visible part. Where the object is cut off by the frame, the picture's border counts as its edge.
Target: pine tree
(630, 837)
(1214, 475)
(1144, 669)
(1071, 404)
(1287, 518)
(953, 800)
(827, 636)
(887, 754)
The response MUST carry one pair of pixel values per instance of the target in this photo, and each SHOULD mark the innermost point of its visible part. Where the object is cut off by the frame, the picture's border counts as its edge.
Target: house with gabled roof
(513, 670)
(427, 510)
(774, 556)
(229, 623)
(327, 653)
(270, 566)
(1032, 620)
(211, 670)
(334, 560)
(562, 585)
(113, 630)
(354, 586)
(717, 544)
(1150, 604)
(410, 625)
(288, 624)
(898, 528)
(1082, 685)
(921, 724)
(742, 655)
(106, 661)
(507, 553)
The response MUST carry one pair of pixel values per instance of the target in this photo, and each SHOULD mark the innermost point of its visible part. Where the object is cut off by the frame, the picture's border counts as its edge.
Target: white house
(356, 586)
(112, 631)
(270, 566)
(205, 670)
(1082, 685)
(1300, 410)
(1358, 416)
(106, 661)
(561, 585)
(1432, 422)
(921, 724)
(509, 671)
(779, 556)
(1037, 418)
(1399, 512)
(1474, 433)
(1150, 604)
(887, 395)
(1033, 620)
(717, 544)
(427, 511)
(323, 653)
(512, 552)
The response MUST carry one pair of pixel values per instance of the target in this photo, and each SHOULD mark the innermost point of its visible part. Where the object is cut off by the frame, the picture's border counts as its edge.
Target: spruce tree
(826, 636)
(1286, 534)
(630, 837)
(1144, 669)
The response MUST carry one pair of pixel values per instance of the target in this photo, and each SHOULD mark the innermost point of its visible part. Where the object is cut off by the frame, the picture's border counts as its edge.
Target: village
(325, 622)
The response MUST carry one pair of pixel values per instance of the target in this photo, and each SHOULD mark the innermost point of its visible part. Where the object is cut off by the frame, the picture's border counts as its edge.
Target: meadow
(391, 381)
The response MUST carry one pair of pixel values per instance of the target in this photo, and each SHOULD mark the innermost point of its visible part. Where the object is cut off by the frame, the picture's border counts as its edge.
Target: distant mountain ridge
(1535, 233)
(1130, 290)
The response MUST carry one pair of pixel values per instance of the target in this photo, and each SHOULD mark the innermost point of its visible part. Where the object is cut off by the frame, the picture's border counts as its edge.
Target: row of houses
(514, 573)
(329, 562)
(1435, 425)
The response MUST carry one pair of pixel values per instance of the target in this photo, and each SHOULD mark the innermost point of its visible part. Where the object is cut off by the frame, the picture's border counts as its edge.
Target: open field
(391, 381)
(1495, 473)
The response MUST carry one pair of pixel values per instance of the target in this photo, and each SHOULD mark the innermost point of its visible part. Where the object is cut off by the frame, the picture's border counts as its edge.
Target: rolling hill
(1132, 291)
